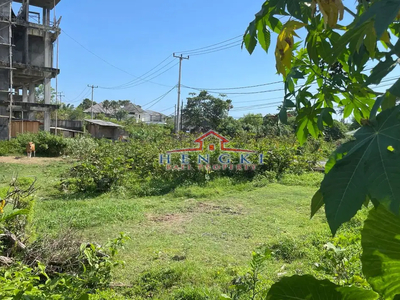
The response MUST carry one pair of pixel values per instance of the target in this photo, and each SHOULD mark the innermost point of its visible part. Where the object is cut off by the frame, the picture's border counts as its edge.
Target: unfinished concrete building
(27, 39)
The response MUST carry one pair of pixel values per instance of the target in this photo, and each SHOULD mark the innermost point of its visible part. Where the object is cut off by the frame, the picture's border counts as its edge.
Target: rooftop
(50, 4)
(154, 113)
(103, 123)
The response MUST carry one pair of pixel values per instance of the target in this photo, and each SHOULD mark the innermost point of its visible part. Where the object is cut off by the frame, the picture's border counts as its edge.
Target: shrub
(81, 147)
(9, 147)
(46, 143)
(134, 165)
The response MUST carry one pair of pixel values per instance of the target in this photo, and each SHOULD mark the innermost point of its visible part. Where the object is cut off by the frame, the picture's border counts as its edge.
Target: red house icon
(201, 139)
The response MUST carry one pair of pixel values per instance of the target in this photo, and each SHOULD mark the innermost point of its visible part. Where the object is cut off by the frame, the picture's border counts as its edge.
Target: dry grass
(29, 161)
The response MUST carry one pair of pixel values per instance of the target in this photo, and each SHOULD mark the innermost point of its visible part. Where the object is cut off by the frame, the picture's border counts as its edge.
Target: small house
(102, 129)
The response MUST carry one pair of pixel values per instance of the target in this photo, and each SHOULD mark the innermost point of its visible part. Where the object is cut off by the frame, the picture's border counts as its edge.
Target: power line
(243, 93)
(258, 100)
(143, 77)
(167, 109)
(137, 84)
(105, 61)
(195, 50)
(157, 100)
(80, 94)
(209, 52)
(215, 48)
(240, 88)
(256, 106)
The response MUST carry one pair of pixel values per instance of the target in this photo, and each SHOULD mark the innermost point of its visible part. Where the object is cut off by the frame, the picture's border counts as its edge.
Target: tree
(230, 127)
(86, 104)
(39, 94)
(335, 132)
(204, 112)
(331, 70)
(252, 123)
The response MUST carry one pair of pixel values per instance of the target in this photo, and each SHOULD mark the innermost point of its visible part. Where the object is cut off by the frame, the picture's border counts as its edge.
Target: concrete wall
(74, 125)
(36, 51)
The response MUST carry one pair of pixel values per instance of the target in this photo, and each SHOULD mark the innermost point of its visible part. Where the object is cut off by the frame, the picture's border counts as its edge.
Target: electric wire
(107, 62)
(235, 93)
(214, 48)
(209, 52)
(206, 47)
(143, 77)
(148, 103)
(80, 94)
(157, 100)
(158, 75)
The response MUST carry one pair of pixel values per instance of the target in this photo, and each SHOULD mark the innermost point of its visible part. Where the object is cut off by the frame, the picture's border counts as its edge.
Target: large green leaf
(316, 203)
(381, 70)
(395, 89)
(263, 35)
(380, 240)
(352, 35)
(370, 166)
(308, 288)
(383, 12)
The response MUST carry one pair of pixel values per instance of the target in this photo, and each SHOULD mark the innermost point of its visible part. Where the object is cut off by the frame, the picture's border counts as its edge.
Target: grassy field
(194, 240)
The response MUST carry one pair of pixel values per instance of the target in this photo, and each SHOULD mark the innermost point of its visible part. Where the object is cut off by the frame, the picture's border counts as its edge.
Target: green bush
(133, 167)
(9, 147)
(46, 144)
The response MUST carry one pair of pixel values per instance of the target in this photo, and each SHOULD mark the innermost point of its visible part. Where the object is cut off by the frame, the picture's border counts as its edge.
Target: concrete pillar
(47, 100)
(24, 93)
(48, 49)
(31, 99)
(32, 93)
(44, 16)
(47, 121)
(47, 90)
(48, 17)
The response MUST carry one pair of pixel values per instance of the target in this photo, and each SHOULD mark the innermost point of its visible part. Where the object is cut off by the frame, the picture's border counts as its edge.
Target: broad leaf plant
(334, 55)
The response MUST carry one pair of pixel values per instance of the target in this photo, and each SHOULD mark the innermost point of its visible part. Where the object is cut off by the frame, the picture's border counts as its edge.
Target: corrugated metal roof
(103, 123)
(65, 129)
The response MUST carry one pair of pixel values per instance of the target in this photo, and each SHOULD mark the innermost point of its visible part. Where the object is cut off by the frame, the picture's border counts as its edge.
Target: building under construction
(27, 43)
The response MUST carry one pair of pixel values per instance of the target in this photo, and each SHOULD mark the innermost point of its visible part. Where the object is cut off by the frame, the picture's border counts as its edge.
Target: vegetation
(194, 242)
(193, 235)
(364, 169)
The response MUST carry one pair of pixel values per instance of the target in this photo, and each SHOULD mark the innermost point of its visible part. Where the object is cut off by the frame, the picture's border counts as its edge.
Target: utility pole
(60, 94)
(175, 119)
(11, 69)
(181, 115)
(178, 123)
(93, 87)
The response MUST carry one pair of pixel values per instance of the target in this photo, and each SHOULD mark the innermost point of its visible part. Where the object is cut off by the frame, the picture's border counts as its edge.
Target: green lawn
(196, 238)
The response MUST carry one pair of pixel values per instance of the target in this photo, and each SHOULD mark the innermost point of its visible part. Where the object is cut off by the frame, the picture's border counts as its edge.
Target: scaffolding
(28, 61)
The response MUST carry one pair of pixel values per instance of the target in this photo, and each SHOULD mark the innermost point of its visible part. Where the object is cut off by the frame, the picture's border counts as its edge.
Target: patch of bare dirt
(172, 219)
(23, 160)
(174, 222)
(207, 207)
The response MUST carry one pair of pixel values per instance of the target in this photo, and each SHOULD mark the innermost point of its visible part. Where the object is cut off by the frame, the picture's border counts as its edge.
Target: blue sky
(135, 36)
